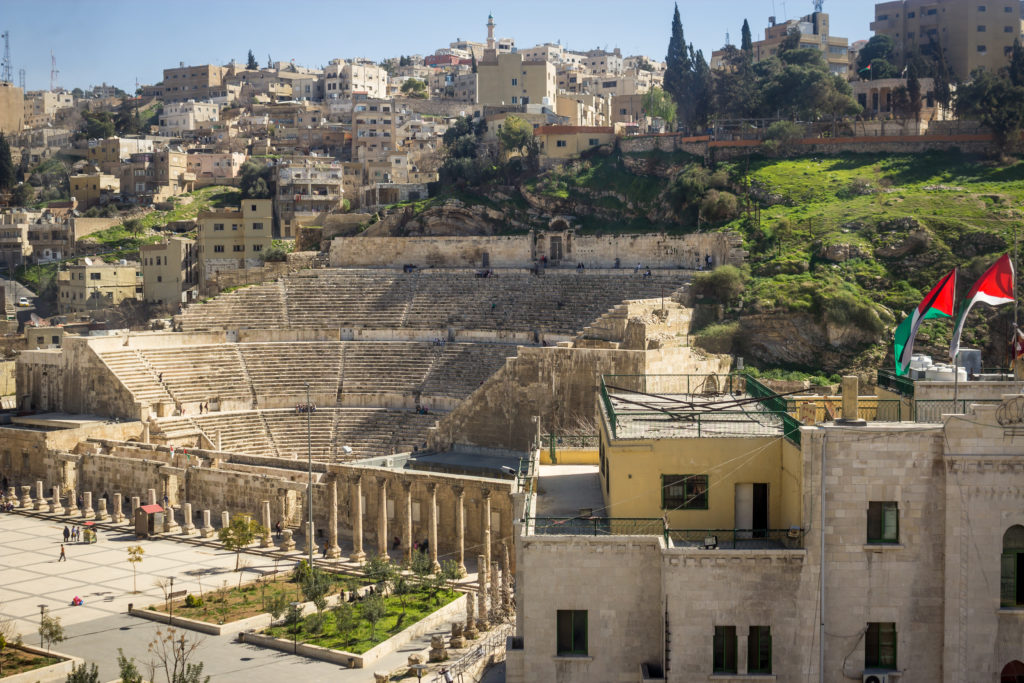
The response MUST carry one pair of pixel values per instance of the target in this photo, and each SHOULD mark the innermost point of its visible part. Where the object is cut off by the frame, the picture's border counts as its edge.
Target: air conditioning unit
(881, 677)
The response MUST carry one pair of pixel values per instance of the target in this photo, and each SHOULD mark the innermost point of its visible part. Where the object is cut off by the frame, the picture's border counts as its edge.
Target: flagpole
(1013, 344)
(956, 358)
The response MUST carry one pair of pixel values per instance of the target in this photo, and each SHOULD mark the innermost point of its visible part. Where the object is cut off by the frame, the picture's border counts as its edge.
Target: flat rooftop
(50, 421)
(681, 416)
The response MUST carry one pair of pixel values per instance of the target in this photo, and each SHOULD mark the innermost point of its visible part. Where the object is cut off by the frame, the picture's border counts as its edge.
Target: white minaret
(490, 34)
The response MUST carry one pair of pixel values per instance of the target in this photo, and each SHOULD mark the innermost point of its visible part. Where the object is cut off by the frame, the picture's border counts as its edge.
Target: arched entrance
(1012, 673)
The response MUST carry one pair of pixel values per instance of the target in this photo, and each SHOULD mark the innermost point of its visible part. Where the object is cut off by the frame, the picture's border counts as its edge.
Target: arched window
(1011, 593)
(1012, 672)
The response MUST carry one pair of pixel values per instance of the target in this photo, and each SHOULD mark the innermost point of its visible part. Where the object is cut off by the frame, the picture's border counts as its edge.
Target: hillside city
(524, 364)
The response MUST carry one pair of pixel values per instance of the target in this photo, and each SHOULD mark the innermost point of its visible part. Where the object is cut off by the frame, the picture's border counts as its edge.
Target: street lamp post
(42, 613)
(170, 602)
(309, 456)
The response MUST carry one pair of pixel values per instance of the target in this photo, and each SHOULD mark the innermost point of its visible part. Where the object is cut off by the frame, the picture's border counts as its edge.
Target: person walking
(67, 533)
(63, 557)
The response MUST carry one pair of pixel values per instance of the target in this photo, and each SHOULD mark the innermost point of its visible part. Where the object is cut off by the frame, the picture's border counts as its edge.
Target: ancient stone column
(457, 640)
(407, 513)
(207, 530)
(87, 511)
(118, 513)
(170, 525)
(265, 541)
(333, 549)
(494, 597)
(506, 580)
(26, 496)
(432, 524)
(460, 528)
(151, 496)
(357, 520)
(481, 576)
(382, 518)
(12, 493)
(101, 510)
(470, 630)
(225, 520)
(40, 498)
(72, 506)
(851, 389)
(187, 527)
(486, 526)
(55, 507)
(136, 504)
(286, 543)
(310, 542)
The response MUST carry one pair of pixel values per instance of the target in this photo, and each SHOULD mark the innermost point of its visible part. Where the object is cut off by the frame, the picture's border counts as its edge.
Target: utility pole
(5, 65)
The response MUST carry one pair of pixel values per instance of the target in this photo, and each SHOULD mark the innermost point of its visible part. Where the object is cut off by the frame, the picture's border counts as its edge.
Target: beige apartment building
(157, 175)
(508, 79)
(374, 123)
(88, 285)
(974, 34)
(193, 82)
(169, 271)
(565, 142)
(47, 103)
(233, 239)
(180, 117)
(342, 78)
(87, 188)
(814, 33)
(306, 189)
(108, 153)
(12, 108)
(207, 163)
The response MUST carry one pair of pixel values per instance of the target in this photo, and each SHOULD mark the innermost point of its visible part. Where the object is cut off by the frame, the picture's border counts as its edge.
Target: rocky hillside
(840, 247)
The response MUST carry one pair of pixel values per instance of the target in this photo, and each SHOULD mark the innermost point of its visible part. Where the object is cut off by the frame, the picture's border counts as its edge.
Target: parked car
(23, 301)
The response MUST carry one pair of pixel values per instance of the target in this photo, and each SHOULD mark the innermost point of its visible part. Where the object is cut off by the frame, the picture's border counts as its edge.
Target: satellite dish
(37, 321)
(88, 261)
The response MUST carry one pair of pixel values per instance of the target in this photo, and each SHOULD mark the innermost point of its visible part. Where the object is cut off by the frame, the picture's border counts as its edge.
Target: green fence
(790, 425)
(893, 382)
(599, 526)
(676, 384)
(738, 539)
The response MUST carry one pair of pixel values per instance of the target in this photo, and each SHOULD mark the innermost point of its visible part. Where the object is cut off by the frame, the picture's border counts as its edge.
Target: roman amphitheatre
(416, 384)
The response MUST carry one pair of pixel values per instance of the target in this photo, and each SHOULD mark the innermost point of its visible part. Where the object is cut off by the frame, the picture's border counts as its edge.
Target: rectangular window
(684, 492)
(218, 248)
(883, 522)
(238, 247)
(560, 143)
(759, 650)
(515, 81)
(981, 28)
(257, 247)
(218, 226)
(880, 646)
(572, 632)
(724, 657)
(1007, 9)
(257, 226)
(94, 276)
(981, 8)
(593, 142)
(982, 49)
(1007, 29)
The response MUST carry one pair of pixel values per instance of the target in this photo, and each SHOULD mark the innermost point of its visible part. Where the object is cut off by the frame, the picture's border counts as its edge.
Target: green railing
(676, 384)
(893, 382)
(739, 539)
(608, 409)
(931, 411)
(771, 401)
(599, 526)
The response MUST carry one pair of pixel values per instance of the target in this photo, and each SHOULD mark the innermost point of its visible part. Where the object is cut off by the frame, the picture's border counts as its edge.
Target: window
(880, 646)
(911, 15)
(724, 657)
(1007, 29)
(218, 226)
(218, 248)
(94, 276)
(159, 278)
(1007, 9)
(981, 28)
(1011, 591)
(883, 17)
(257, 247)
(981, 8)
(572, 632)
(684, 492)
(593, 142)
(883, 522)
(931, 11)
(257, 226)
(515, 100)
(515, 81)
(238, 247)
(759, 650)
(560, 143)
(982, 49)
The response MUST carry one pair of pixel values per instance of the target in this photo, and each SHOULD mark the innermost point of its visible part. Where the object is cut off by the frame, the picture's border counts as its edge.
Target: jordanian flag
(938, 304)
(994, 288)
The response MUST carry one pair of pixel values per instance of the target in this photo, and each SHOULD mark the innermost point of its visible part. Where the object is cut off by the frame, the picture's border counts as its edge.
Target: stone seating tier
(367, 431)
(431, 299)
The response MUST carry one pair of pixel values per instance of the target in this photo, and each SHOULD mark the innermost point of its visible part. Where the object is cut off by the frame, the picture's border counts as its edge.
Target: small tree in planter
(239, 534)
(373, 610)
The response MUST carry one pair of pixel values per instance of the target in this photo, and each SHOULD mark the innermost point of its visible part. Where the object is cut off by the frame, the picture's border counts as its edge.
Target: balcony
(703, 539)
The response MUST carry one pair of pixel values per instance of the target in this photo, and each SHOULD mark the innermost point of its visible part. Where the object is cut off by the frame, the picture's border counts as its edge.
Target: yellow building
(564, 142)
(193, 82)
(169, 270)
(12, 108)
(88, 285)
(814, 33)
(717, 469)
(508, 79)
(972, 34)
(87, 188)
(234, 239)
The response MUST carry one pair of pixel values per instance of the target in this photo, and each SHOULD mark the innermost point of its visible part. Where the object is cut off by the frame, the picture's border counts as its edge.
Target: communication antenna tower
(53, 72)
(21, 79)
(818, 5)
(5, 71)
(727, 38)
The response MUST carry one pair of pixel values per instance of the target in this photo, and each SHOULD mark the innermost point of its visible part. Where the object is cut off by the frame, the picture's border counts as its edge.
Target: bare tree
(174, 655)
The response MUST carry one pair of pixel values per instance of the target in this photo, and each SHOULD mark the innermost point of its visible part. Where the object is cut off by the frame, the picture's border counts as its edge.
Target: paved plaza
(100, 574)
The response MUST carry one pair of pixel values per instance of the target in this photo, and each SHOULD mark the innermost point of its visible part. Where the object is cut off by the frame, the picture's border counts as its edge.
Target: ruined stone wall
(72, 379)
(26, 454)
(449, 252)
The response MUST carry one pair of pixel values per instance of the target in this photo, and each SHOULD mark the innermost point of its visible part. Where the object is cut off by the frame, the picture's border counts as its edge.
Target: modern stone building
(232, 239)
(88, 285)
(169, 271)
(725, 543)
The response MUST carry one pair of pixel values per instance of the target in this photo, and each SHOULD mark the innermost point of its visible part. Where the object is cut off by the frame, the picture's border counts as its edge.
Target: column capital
(431, 488)
(356, 479)
(406, 485)
(486, 493)
(459, 491)
(382, 483)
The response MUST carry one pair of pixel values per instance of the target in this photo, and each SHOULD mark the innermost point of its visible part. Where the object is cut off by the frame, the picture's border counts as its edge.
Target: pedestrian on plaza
(63, 557)
(323, 552)
(67, 533)
(277, 528)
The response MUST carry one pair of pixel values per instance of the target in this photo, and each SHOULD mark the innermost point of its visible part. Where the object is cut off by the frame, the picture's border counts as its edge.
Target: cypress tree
(746, 44)
(677, 68)
(6, 165)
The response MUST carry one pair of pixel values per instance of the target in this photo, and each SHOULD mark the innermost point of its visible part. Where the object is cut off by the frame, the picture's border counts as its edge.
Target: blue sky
(118, 41)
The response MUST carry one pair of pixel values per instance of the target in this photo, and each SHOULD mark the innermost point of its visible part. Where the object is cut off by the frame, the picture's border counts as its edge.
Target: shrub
(723, 284)
(781, 136)
(844, 308)
(193, 601)
(718, 338)
(718, 207)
